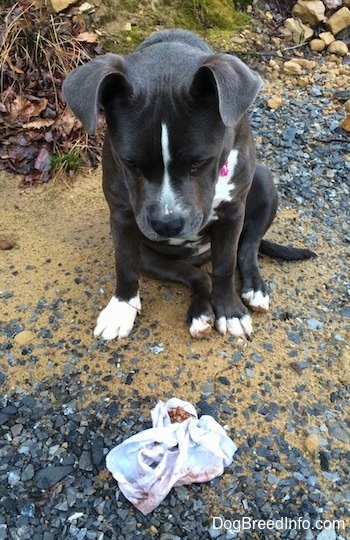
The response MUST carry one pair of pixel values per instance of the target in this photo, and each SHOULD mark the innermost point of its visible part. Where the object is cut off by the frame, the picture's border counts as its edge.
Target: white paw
(241, 328)
(256, 300)
(117, 318)
(200, 326)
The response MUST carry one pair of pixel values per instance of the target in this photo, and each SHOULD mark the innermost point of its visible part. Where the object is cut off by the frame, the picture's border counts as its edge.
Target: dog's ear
(230, 82)
(90, 86)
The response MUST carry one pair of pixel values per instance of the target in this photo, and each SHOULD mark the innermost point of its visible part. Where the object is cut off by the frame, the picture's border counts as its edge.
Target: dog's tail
(286, 253)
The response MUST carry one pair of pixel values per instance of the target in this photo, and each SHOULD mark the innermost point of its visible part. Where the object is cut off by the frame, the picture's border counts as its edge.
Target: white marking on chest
(224, 186)
(167, 195)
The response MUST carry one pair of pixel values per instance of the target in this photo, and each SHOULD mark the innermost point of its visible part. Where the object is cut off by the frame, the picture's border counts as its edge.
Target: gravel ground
(284, 398)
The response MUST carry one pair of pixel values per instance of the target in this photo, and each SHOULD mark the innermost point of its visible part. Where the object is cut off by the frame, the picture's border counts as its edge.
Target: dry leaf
(39, 123)
(88, 37)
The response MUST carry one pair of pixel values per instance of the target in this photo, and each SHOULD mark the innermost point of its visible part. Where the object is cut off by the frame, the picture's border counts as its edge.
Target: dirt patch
(60, 274)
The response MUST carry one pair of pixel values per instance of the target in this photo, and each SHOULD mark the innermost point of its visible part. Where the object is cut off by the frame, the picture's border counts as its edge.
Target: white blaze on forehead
(167, 196)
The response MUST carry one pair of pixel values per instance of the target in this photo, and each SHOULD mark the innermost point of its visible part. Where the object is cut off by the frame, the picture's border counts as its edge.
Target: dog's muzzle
(168, 226)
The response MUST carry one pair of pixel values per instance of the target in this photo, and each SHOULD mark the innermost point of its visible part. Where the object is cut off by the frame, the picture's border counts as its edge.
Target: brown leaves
(37, 50)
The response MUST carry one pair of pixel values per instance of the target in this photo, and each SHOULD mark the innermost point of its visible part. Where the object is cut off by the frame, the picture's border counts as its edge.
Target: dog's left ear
(230, 82)
(90, 86)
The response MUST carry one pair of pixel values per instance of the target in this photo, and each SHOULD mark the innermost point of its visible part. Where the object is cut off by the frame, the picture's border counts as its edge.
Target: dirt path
(60, 273)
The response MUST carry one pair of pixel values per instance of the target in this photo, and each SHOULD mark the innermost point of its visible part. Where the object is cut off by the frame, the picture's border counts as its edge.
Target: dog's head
(173, 110)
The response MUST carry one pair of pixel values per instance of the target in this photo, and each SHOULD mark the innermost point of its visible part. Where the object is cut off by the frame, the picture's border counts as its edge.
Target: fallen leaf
(43, 161)
(39, 124)
(88, 37)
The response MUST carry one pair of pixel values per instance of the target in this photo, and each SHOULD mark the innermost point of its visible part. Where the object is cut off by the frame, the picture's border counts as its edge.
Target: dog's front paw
(117, 318)
(200, 326)
(240, 327)
(256, 300)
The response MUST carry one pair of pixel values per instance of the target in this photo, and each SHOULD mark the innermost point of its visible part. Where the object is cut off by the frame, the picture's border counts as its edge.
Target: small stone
(24, 338)
(327, 37)
(312, 444)
(346, 106)
(49, 476)
(27, 473)
(85, 461)
(317, 45)
(314, 324)
(249, 372)
(272, 479)
(327, 534)
(207, 388)
(7, 242)
(275, 102)
(292, 67)
(127, 26)
(309, 11)
(338, 47)
(339, 20)
(337, 432)
(346, 311)
(304, 63)
(346, 123)
(299, 31)
(61, 5)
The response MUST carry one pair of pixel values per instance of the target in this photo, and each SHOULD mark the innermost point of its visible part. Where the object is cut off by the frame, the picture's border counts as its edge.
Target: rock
(304, 63)
(338, 47)
(347, 106)
(317, 45)
(312, 444)
(309, 11)
(299, 31)
(339, 20)
(337, 432)
(7, 242)
(275, 102)
(333, 4)
(292, 67)
(24, 337)
(327, 534)
(346, 122)
(61, 5)
(49, 476)
(327, 37)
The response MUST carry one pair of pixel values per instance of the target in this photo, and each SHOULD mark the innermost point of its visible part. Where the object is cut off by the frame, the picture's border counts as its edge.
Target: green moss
(208, 14)
(214, 20)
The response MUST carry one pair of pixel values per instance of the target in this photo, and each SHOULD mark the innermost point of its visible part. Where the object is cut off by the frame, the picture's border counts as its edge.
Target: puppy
(180, 178)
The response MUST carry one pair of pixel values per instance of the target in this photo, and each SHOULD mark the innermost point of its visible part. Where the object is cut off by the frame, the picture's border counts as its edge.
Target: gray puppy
(180, 178)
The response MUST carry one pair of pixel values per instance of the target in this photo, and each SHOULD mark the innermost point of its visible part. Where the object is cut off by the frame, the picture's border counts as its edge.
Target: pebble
(24, 338)
(312, 444)
(327, 534)
(338, 433)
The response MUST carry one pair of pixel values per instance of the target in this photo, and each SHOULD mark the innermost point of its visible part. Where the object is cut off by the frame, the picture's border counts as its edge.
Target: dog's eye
(198, 164)
(131, 164)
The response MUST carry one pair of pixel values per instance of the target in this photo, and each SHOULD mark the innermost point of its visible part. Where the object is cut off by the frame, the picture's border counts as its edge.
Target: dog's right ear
(89, 87)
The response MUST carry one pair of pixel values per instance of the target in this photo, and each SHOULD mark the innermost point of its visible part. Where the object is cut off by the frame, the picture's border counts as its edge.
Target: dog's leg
(200, 313)
(261, 208)
(116, 320)
(230, 313)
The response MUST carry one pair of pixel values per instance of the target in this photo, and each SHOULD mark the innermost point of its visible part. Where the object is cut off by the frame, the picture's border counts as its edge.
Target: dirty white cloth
(147, 465)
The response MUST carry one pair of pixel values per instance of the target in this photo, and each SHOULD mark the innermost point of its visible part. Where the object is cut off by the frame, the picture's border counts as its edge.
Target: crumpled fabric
(148, 464)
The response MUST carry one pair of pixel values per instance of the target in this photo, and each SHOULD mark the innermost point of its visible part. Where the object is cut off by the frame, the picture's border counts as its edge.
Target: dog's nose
(167, 226)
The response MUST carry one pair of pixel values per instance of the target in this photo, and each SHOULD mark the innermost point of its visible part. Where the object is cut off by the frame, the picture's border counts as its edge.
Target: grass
(66, 161)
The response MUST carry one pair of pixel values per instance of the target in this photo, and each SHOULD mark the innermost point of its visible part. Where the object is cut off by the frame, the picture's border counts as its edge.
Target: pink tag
(224, 170)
